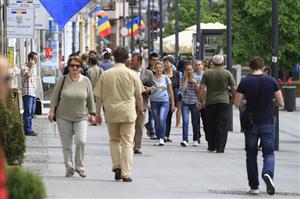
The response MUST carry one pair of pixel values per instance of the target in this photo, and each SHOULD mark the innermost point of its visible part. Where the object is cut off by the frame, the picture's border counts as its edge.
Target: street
(170, 171)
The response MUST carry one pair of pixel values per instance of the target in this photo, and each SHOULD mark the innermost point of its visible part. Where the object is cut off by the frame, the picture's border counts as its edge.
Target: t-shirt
(94, 74)
(161, 95)
(106, 65)
(259, 93)
(217, 80)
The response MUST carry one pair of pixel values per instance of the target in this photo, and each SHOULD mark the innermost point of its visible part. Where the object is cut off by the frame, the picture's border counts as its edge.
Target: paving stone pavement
(170, 171)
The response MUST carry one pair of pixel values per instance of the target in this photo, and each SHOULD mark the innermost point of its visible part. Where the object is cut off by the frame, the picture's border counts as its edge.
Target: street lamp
(198, 31)
(176, 31)
(229, 35)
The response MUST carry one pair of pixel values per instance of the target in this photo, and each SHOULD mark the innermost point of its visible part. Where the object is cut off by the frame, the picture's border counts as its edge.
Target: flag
(98, 12)
(63, 10)
(104, 27)
(134, 26)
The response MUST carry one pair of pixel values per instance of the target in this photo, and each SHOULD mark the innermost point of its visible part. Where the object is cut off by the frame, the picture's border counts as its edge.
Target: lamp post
(198, 31)
(176, 31)
(229, 35)
(140, 22)
(160, 28)
(131, 36)
(149, 28)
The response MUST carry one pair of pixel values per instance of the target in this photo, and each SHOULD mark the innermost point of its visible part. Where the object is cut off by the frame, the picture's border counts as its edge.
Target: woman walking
(73, 100)
(161, 102)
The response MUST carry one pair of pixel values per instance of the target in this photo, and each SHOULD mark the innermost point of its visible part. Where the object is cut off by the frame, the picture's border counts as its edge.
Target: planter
(289, 97)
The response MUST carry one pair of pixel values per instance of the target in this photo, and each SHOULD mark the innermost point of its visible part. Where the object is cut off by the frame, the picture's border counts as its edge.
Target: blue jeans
(28, 105)
(266, 133)
(160, 111)
(149, 125)
(186, 108)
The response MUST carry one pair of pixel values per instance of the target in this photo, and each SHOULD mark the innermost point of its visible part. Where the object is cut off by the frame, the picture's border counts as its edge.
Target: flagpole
(160, 28)
(132, 39)
(124, 21)
(140, 23)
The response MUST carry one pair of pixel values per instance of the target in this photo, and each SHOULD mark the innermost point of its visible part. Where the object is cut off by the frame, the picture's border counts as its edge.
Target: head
(107, 56)
(86, 48)
(199, 66)
(256, 63)
(75, 65)
(92, 53)
(158, 68)
(85, 58)
(32, 56)
(218, 60)
(180, 66)
(267, 71)
(188, 69)
(153, 58)
(128, 63)
(5, 79)
(136, 61)
(167, 60)
(120, 54)
(210, 63)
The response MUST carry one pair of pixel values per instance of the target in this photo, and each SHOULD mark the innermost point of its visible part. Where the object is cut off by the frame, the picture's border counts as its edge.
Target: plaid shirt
(190, 96)
(29, 86)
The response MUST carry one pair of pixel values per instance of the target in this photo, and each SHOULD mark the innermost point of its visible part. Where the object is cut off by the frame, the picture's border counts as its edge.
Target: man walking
(29, 91)
(150, 87)
(259, 92)
(120, 91)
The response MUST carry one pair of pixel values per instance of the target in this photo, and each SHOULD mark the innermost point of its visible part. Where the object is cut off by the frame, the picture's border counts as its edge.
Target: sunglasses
(74, 65)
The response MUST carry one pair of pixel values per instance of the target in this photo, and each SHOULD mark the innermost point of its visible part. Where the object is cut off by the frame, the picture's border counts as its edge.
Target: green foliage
(252, 31)
(187, 12)
(11, 128)
(23, 184)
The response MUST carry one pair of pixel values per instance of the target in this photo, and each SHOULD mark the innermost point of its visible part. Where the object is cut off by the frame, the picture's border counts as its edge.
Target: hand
(50, 116)
(147, 90)
(172, 108)
(92, 119)
(98, 119)
(185, 76)
(141, 113)
(200, 105)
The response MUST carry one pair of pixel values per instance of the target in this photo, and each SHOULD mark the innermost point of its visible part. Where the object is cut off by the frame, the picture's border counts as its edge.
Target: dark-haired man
(29, 92)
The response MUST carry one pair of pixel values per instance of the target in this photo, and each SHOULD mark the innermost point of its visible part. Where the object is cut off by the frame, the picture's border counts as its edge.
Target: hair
(187, 64)
(168, 58)
(73, 55)
(107, 55)
(158, 63)
(92, 52)
(256, 63)
(120, 54)
(75, 58)
(84, 57)
(128, 63)
(31, 55)
(138, 56)
(218, 60)
(153, 54)
(180, 65)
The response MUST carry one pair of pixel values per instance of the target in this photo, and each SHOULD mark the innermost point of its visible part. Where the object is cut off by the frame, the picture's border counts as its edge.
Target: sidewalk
(165, 172)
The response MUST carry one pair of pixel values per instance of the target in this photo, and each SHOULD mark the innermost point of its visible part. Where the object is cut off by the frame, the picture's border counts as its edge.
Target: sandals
(81, 172)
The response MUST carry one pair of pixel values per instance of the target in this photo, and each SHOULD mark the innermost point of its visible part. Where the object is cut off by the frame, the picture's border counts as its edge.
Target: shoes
(70, 172)
(118, 174)
(195, 143)
(269, 184)
(160, 142)
(211, 149)
(81, 172)
(184, 143)
(253, 191)
(220, 151)
(137, 151)
(32, 133)
(129, 179)
(166, 139)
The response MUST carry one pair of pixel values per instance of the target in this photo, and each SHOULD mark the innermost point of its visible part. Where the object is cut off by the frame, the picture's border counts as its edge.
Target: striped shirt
(29, 86)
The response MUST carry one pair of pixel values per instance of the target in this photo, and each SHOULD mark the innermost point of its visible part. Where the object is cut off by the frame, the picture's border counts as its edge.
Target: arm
(278, 98)
(27, 73)
(184, 84)
(171, 95)
(98, 118)
(233, 91)
(91, 103)
(54, 99)
(153, 88)
(139, 104)
(238, 100)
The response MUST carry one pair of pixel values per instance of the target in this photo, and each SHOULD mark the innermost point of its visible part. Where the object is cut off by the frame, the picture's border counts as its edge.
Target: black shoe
(118, 174)
(269, 184)
(137, 151)
(211, 149)
(220, 151)
(129, 179)
(32, 133)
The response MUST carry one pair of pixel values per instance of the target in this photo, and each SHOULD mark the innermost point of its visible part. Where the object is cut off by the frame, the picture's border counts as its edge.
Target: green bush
(12, 134)
(24, 184)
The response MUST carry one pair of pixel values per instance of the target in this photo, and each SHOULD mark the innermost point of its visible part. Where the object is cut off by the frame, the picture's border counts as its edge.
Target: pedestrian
(259, 92)
(217, 80)
(94, 71)
(29, 92)
(190, 103)
(174, 77)
(72, 104)
(107, 62)
(120, 91)
(161, 102)
(150, 124)
(180, 70)
(150, 87)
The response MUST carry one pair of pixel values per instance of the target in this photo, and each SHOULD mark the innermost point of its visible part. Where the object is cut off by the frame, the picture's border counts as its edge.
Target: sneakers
(160, 142)
(81, 172)
(70, 172)
(184, 143)
(195, 143)
(269, 184)
(32, 133)
(253, 191)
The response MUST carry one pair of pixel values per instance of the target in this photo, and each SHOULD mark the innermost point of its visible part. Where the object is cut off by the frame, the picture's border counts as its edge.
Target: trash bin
(289, 97)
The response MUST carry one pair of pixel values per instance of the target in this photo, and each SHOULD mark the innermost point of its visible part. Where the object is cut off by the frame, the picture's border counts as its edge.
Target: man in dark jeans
(259, 92)
(217, 80)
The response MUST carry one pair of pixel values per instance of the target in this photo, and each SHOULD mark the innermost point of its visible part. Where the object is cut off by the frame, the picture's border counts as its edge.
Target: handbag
(59, 96)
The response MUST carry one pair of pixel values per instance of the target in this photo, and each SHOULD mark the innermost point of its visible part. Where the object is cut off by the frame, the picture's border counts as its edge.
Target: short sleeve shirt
(259, 93)
(118, 88)
(161, 95)
(217, 80)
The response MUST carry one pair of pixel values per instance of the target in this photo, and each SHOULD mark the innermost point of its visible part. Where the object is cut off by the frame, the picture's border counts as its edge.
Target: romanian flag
(134, 26)
(98, 12)
(104, 27)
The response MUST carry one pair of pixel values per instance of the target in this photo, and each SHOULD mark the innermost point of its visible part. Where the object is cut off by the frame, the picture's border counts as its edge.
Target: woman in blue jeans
(161, 102)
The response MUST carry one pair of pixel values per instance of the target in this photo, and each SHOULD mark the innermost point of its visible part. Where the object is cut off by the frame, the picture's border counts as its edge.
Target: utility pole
(140, 23)
(176, 31)
(149, 28)
(160, 28)
(198, 32)
(229, 35)
(275, 43)
(132, 39)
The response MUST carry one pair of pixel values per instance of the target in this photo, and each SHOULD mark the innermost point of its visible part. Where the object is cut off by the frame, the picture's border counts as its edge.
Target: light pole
(176, 31)
(132, 39)
(149, 28)
(275, 43)
(160, 28)
(229, 36)
(198, 31)
(140, 22)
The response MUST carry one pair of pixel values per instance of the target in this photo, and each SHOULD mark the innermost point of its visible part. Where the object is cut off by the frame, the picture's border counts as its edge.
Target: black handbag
(38, 107)
(59, 96)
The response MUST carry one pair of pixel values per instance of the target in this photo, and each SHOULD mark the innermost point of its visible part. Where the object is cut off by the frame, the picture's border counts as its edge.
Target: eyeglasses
(74, 65)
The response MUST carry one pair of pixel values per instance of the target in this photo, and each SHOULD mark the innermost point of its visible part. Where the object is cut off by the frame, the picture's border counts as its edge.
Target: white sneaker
(184, 143)
(269, 184)
(156, 143)
(195, 143)
(161, 142)
(253, 191)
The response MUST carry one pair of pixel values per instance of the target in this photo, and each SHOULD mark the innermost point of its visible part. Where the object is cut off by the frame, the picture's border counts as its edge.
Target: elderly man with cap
(217, 80)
